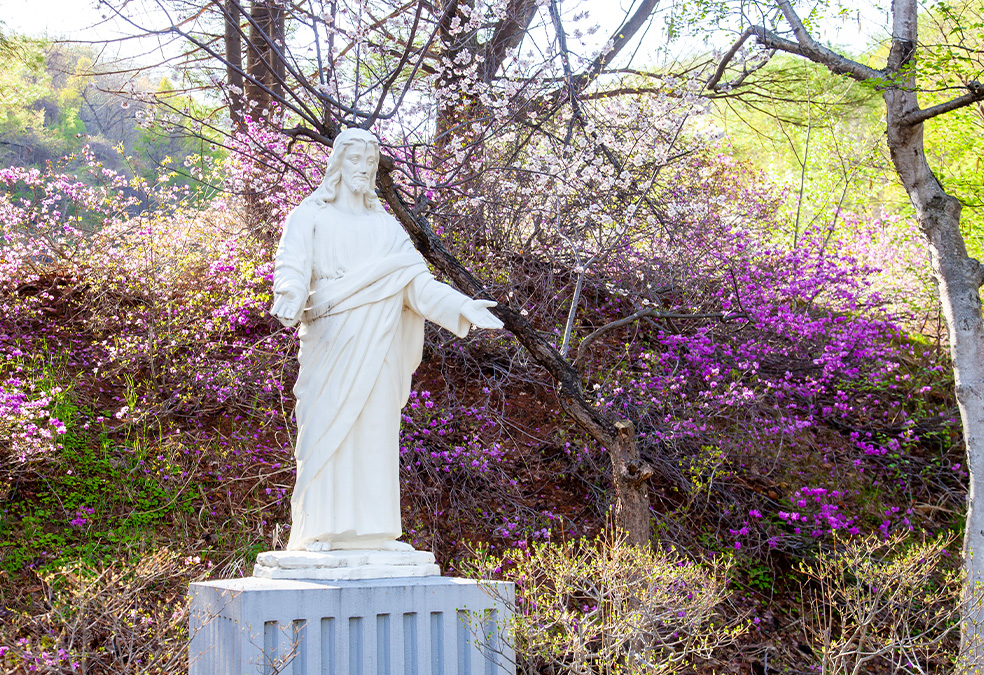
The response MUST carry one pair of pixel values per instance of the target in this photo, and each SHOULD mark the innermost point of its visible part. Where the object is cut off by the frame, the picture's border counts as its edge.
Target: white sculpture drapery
(349, 273)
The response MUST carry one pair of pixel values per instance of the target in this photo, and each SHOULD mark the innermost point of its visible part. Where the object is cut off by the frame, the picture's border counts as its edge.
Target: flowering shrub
(884, 602)
(219, 335)
(274, 172)
(814, 509)
(793, 342)
(28, 418)
(772, 383)
(447, 439)
(605, 607)
(131, 618)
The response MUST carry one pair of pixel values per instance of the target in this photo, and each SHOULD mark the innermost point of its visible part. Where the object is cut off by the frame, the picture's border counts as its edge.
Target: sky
(54, 18)
(75, 20)
(83, 20)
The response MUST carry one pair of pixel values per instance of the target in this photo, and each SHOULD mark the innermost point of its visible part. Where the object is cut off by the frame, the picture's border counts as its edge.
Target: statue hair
(327, 191)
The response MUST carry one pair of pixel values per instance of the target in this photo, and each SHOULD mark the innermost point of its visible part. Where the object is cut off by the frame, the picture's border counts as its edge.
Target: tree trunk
(958, 278)
(631, 510)
(275, 47)
(264, 85)
(258, 63)
(234, 63)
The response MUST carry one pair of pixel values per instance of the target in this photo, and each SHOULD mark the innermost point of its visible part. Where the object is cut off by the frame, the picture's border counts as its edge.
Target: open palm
(477, 312)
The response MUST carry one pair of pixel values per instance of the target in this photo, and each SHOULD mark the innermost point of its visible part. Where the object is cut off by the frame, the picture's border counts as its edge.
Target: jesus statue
(347, 271)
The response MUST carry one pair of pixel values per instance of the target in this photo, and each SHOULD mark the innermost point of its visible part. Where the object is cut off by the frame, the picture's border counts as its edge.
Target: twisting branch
(975, 94)
(565, 59)
(817, 52)
(804, 46)
(298, 131)
(582, 349)
(714, 82)
(432, 248)
(807, 47)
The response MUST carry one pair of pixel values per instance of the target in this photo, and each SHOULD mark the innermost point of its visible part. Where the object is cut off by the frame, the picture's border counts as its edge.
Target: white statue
(347, 271)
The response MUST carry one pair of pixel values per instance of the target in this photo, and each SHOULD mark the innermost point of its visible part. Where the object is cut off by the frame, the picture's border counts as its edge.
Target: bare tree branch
(713, 83)
(582, 348)
(805, 46)
(396, 71)
(568, 380)
(622, 36)
(975, 94)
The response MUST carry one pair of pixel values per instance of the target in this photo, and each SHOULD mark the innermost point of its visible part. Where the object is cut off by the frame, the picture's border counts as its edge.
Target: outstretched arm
(292, 269)
(447, 307)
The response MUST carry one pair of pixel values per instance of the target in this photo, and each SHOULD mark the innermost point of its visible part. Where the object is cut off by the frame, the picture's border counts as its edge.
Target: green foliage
(816, 133)
(96, 499)
(954, 56)
(759, 577)
(24, 83)
(55, 100)
(41, 112)
(822, 135)
(169, 150)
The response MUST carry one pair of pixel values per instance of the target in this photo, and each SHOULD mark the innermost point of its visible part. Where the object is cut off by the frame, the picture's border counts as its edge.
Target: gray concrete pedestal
(402, 626)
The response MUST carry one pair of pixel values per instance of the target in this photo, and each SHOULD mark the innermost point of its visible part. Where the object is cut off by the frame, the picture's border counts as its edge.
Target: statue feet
(318, 546)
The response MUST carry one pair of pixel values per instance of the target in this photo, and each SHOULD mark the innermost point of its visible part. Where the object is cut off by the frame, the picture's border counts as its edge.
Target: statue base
(344, 564)
(428, 625)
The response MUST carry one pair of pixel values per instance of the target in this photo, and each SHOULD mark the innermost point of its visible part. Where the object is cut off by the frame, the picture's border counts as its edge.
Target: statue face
(358, 166)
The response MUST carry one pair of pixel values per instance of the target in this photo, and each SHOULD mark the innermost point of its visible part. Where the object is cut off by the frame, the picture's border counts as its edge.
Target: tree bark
(234, 63)
(263, 86)
(630, 512)
(958, 278)
(260, 58)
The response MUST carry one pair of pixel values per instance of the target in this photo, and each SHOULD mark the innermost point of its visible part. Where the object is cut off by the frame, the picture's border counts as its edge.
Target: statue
(347, 271)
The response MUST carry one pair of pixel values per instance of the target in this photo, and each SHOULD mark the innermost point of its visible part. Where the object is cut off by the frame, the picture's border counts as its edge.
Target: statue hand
(286, 308)
(477, 312)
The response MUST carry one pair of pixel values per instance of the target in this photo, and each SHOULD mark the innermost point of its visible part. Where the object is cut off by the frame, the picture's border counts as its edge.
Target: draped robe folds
(362, 332)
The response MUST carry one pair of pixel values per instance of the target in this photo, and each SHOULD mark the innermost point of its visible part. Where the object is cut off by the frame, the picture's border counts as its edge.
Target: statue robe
(361, 335)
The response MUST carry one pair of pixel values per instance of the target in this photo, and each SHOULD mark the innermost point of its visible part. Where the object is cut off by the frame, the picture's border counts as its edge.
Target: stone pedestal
(345, 564)
(428, 625)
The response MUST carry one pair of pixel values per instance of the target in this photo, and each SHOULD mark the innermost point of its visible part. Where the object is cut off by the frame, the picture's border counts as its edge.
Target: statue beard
(358, 185)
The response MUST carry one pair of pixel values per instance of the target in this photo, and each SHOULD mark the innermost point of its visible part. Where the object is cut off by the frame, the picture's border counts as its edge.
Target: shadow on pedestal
(402, 626)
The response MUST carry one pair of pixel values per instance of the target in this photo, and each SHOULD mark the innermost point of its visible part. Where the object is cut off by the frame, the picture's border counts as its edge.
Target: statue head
(346, 143)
